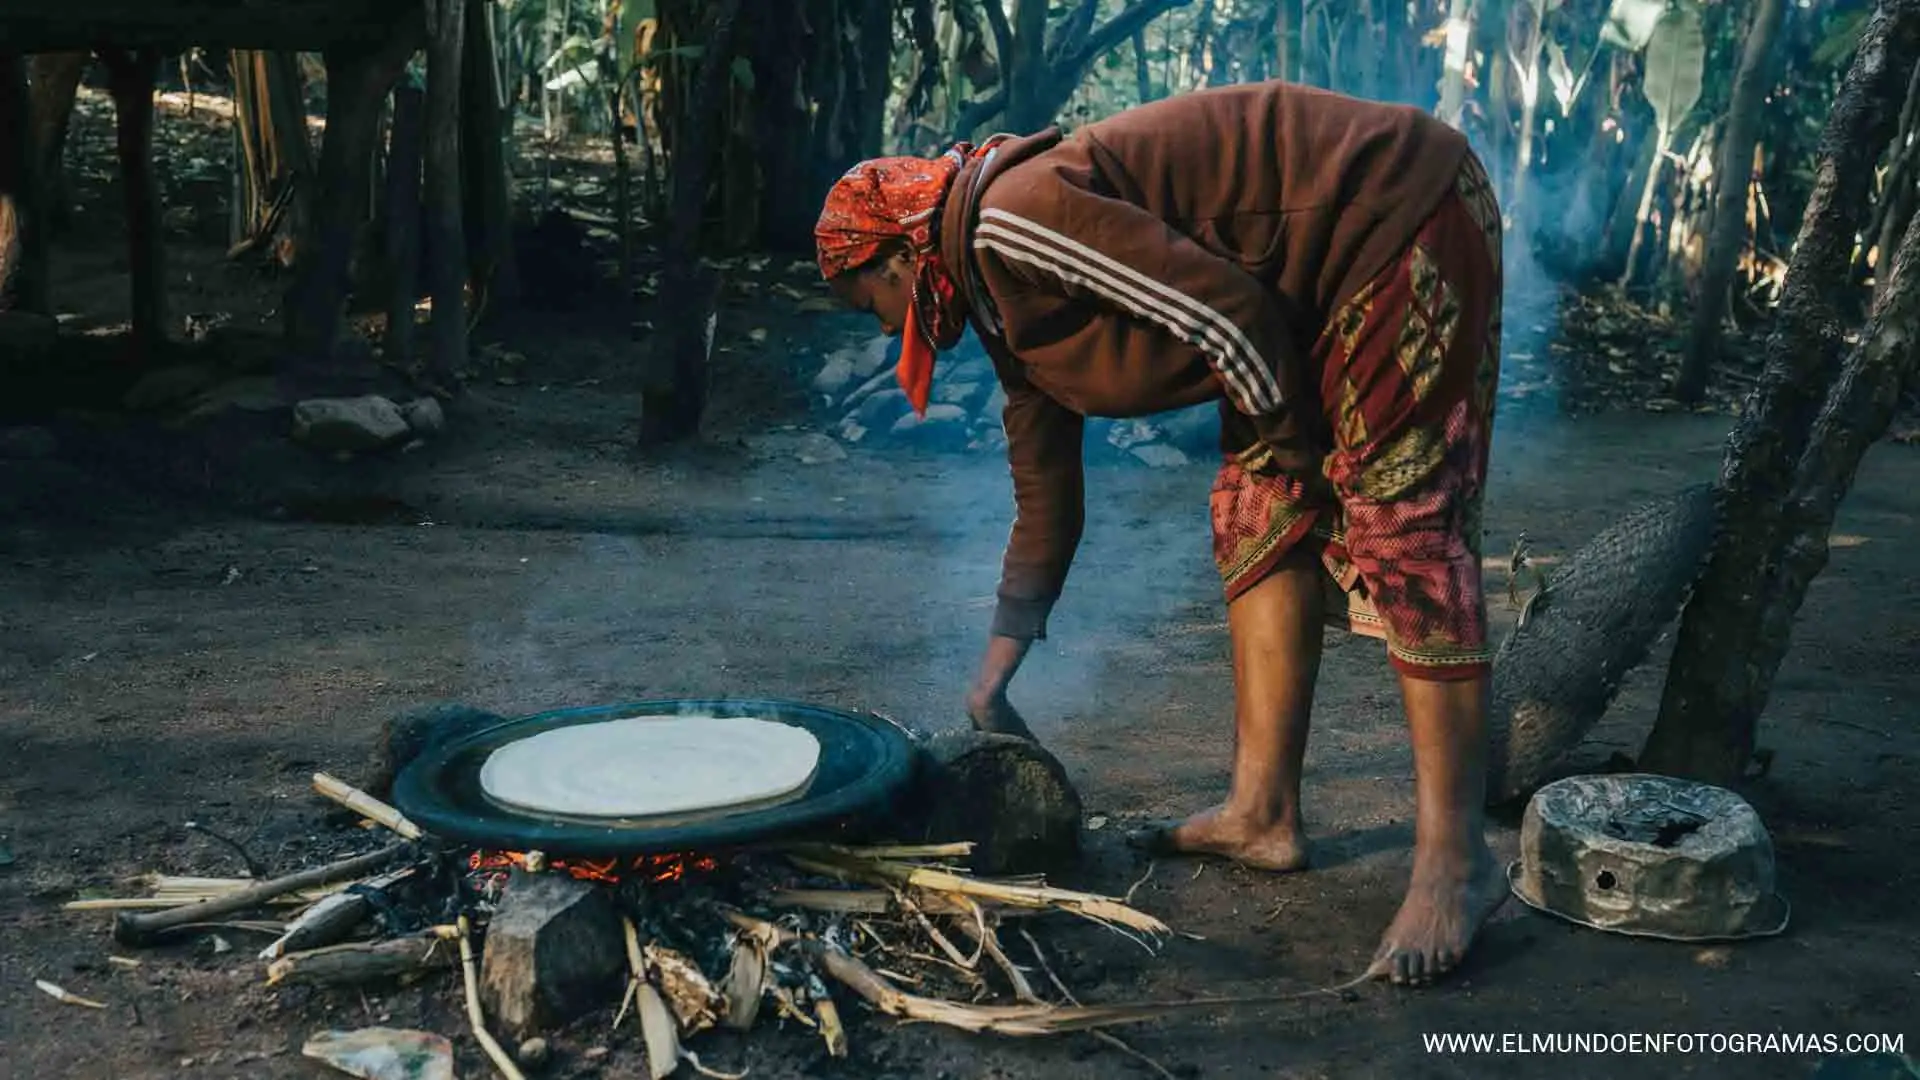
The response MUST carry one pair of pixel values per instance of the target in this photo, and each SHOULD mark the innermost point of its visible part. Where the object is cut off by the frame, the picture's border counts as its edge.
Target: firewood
(363, 961)
(136, 929)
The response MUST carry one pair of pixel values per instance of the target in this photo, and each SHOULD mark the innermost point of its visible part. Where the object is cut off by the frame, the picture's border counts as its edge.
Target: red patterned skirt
(1408, 368)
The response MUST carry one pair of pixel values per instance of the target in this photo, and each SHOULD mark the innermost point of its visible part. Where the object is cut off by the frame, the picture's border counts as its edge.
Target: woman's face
(883, 290)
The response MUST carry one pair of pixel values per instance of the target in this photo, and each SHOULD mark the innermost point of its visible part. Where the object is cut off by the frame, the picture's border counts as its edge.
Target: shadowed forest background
(608, 436)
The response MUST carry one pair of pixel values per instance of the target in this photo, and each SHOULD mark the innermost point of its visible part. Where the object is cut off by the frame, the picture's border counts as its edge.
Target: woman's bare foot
(1443, 911)
(1274, 846)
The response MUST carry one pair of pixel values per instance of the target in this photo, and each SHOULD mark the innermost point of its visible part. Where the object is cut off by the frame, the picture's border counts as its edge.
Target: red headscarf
(899, 199)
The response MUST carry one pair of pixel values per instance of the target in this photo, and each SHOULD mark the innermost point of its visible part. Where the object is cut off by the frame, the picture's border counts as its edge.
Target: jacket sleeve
(1044, 444)
(1051, 233)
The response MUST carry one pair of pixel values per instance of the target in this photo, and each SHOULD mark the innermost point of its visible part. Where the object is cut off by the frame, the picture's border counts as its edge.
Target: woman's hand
(987, 704)
(991, 712)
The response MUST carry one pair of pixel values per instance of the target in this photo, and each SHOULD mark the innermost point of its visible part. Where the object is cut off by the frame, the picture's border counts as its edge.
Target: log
(23, 246)
(553, 953)
(135, 929)
(38, 26)
(357, 80)
(1006, 794)
(403, 228)
(54, 81)
(130, 77)
(361, 962)
(446, 243)
(483, 147)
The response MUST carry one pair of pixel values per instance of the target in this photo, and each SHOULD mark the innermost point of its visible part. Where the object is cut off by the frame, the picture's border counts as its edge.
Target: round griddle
(864, 762)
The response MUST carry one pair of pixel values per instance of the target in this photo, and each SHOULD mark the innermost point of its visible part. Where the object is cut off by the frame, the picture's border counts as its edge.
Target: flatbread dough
(646, 766)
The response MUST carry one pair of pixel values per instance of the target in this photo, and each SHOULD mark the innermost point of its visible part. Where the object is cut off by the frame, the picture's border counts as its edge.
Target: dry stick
(331, 919)
(365, 805)
(1107, 1037)
(989, 942)
(132, 929)
(1102, 909)
(476, 1018)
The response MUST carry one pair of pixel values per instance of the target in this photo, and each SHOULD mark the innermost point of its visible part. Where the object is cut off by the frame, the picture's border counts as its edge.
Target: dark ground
(529, 560)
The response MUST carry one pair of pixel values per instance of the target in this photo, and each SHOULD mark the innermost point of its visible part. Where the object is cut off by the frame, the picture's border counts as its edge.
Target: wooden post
(403, 225)
(446, 245)
(357, 80)
(483, 142)
(23, 246)
(689, 292)
(53, 82)
(130, 77)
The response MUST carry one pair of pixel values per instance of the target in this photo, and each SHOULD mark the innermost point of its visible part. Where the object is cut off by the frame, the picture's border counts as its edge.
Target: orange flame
(653, 869)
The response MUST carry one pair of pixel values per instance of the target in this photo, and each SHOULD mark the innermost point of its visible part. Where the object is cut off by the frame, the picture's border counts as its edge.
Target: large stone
(877, 383)
(1195, 430)
(942, 426)
(835, 375)
(965, 394)
(878, 413)
(424, 416)
(27, 443)
(1160, 455)
(1008, 795)
(168, 386)
(553, 953)
(349, 424)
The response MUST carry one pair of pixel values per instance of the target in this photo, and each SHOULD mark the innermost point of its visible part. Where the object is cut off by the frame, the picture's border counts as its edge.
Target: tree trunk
(484, 131)
(23, 241)
(1898, 193)
(403, 226)
(1728, 227)
(131, 76)
(1453, 77)
(790, 190)
(1731, 640)
(53, 80)
(275, 160)
(358, 79)
(446, 247)
(1025, 70)
(688, 290)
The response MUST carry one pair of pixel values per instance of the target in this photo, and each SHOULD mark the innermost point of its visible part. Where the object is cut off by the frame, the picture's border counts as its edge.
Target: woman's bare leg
(1276, 629)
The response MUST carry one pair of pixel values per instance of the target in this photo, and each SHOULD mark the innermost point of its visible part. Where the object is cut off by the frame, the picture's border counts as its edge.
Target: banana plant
(1676, 63)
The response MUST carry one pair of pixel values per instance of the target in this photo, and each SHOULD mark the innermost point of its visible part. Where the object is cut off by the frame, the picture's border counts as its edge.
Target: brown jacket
(1167, 256)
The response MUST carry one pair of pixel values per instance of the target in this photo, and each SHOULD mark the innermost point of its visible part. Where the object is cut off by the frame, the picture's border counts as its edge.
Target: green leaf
(1841, 39)
(1630, 23)
(1675, 67)
(1560, 75)
(743, 72)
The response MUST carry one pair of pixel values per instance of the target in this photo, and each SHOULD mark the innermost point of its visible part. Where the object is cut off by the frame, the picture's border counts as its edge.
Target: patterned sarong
(1408, 368)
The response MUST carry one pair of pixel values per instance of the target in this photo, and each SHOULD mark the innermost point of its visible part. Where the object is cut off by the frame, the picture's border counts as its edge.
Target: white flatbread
(646, 766)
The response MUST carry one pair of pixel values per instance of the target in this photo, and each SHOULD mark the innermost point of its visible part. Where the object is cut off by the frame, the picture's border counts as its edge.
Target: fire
(652, 869)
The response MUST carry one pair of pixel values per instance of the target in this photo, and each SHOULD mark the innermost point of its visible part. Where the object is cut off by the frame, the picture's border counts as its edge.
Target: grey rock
(1195, 430)
(851, 431)
(1161, 456)
(835, 375)
(424, 416)
(954, 392)
(255, 393)
(380, 1053)
(874, 384)
(995, 404)
(348, 424)
(881, 410)
(167, 386)
(27, 443)
(1126, 434)
(878, 354)
(943, 426)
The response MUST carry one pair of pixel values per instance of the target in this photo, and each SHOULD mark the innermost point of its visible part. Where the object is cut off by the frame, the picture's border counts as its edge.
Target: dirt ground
(192, 622)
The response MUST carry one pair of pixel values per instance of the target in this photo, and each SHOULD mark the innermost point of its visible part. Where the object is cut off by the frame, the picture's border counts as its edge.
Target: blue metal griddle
(865, 762)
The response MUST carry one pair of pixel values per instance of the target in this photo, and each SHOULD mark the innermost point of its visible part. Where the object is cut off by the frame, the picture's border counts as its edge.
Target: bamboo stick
(1099, 908)
(132, 929)
(470, 978)
(365, 805)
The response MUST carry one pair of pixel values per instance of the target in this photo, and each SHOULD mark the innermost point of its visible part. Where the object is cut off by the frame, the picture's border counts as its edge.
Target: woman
(1329, 270)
